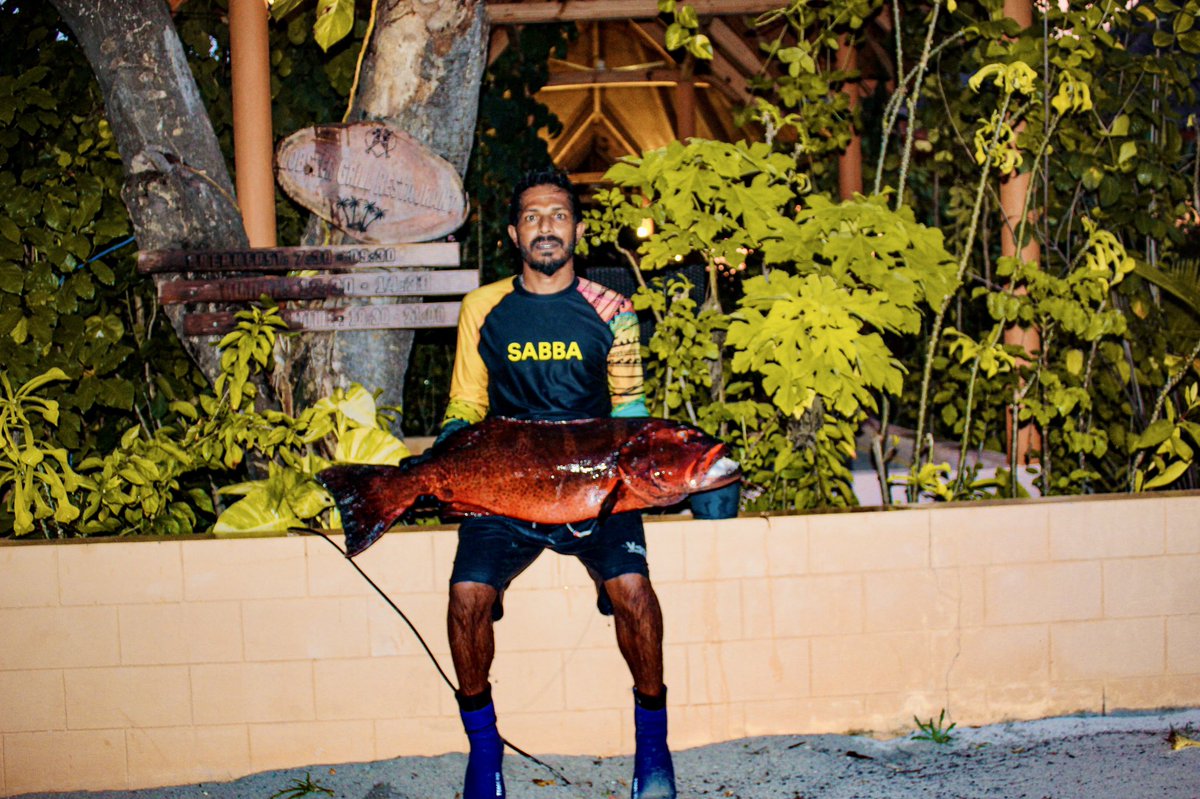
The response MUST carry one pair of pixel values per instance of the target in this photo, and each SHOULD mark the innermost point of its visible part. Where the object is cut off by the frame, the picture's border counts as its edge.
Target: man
(547, 344)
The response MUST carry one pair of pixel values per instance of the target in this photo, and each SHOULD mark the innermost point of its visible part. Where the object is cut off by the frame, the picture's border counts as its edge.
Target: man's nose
(544, 224)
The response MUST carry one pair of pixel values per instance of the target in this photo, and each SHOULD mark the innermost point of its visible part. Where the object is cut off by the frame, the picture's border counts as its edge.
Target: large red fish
(545, 472)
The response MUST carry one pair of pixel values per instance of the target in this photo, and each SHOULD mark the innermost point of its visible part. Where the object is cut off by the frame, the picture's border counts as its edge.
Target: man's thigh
(613, 549)
(493, 550)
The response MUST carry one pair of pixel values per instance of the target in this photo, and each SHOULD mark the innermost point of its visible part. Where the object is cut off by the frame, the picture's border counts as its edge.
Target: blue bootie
(653, 771)
(484, 778)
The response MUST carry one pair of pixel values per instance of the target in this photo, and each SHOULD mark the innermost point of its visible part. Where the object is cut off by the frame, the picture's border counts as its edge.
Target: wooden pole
(253, 146)
(685, 109)
(1013, 189)
(850, 178)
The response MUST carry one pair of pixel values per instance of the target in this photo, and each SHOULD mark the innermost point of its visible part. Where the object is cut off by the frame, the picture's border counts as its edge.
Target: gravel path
(1124, 756)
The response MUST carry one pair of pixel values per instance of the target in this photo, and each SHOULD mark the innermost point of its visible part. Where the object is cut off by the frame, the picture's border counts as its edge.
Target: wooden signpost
(372, 181)
(377, 184)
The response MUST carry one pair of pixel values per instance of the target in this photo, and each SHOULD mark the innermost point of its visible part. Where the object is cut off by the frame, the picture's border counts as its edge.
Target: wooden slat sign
(373, 181)
(361, 284)
(356, 317)
(288, 259)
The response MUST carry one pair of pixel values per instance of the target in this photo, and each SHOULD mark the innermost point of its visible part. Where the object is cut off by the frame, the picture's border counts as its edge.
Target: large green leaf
(1187, 293)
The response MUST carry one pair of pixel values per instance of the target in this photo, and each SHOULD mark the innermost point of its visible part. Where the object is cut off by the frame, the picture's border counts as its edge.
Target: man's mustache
(554, 239)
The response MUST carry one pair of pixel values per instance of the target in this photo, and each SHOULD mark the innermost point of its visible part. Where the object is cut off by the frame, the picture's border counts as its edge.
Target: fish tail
(366, 497)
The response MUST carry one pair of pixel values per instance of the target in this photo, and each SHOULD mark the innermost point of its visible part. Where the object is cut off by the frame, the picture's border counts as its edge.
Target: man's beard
(540, 263)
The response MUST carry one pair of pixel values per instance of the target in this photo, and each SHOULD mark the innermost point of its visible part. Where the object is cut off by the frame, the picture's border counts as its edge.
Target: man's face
(546, 232)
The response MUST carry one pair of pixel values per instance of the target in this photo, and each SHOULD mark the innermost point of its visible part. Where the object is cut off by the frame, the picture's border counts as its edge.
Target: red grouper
(537, 471)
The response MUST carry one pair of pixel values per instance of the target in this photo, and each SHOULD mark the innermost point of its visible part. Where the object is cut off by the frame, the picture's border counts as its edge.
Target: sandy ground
(1123, 756)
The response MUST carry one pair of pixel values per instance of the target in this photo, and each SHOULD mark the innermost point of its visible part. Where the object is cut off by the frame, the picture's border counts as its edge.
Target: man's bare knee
(631, 593)
(471, 604)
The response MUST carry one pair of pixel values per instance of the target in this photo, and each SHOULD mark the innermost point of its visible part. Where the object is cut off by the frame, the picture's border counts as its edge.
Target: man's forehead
(546, 195)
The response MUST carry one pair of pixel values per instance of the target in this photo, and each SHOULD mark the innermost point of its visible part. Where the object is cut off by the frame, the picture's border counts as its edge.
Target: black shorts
(495, 549)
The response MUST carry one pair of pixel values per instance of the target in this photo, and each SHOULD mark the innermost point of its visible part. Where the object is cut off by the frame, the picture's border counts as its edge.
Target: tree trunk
(422, 72)
(177, 186)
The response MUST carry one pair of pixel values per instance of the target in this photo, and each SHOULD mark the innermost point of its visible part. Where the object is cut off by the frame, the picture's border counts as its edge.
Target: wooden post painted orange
(850, 180)
(253, 147)
(685, 109)
(1013, 190)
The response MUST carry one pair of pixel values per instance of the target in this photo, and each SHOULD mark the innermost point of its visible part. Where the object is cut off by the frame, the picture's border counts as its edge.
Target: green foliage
(41, 477)
(70, 298)
(808, 334)
(934, 730)
(138, 488)
(853, 295)
(298, 788)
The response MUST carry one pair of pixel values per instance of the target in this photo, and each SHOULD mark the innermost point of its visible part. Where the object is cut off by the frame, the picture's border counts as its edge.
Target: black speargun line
(425, 646)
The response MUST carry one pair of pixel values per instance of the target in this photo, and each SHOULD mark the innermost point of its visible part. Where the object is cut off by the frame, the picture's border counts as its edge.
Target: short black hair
(545, 176)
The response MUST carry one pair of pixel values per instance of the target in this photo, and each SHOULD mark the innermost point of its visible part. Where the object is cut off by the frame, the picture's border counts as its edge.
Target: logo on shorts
(634, 548)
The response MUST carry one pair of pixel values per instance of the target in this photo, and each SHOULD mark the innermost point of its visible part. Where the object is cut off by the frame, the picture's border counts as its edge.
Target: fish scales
(538, 471)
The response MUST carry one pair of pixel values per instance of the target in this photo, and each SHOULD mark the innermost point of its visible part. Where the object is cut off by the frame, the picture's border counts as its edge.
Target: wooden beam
(357, 317)
(592, 10)
(286, 259)
(497, 45)
(565, 81)
(730, 80)
(735, 48)
(392, 283)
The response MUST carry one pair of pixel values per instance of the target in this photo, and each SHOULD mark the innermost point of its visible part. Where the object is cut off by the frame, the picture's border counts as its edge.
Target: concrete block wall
(129, 664)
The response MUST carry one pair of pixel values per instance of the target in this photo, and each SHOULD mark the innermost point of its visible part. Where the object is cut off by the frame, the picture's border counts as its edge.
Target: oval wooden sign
(372, 181)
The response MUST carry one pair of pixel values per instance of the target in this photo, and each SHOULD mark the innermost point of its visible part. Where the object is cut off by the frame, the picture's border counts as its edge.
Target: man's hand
(451, 427)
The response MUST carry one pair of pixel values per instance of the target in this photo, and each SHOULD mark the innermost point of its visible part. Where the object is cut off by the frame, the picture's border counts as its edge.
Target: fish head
(666, 462)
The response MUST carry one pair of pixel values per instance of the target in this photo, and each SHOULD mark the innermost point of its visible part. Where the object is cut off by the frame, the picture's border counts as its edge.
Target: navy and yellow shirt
(570, 355)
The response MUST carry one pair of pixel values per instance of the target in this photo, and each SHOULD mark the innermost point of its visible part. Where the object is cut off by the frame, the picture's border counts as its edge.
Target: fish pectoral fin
(610, 503)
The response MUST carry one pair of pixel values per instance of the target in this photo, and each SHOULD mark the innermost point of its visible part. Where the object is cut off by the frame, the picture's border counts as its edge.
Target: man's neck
(537, 283)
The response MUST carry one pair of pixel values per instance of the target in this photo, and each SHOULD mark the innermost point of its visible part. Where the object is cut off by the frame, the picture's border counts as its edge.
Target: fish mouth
(718, 469)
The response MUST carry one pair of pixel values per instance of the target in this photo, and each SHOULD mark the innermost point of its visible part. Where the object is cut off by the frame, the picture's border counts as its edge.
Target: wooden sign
(372, 181)
(357, 317)
(287, 259)
(359, 284)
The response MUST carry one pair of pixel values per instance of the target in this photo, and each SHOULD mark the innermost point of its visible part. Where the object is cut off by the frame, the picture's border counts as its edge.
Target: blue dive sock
(653, 772)
(484, 778)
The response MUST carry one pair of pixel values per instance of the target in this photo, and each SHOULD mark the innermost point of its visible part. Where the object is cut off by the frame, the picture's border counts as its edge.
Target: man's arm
(469, 381)
(625, 365)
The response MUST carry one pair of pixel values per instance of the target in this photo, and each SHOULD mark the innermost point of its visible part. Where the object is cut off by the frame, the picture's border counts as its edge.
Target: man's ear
(580, 228)
(512, 234)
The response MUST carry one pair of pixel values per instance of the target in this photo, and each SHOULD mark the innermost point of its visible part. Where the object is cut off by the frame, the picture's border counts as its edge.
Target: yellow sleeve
(469, 381)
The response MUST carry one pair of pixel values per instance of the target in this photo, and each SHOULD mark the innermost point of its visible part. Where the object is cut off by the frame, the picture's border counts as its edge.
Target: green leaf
(1154, 435)
(676, 36)
(700, 46)
(1190, 42)
(1075, 361)
(1162, 39)
(368, 445)
(1128, 150)
(335, 19)
(1168, 476)
(10, 230)
(12, 279)
(255, 514)
(281, 8)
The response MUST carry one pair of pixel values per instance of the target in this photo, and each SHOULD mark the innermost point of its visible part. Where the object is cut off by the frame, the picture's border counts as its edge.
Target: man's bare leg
(638, 619)
(472, 643)
(472, 647)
